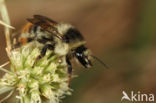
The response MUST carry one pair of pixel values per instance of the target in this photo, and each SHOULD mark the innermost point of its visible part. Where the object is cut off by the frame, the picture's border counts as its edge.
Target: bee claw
(69, 80)
(37, 59)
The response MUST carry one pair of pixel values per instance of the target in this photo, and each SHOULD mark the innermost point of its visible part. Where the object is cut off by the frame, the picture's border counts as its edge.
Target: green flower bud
(8, 79)
(35, 96)
(47, 91)
(22, 88)
(33, 84)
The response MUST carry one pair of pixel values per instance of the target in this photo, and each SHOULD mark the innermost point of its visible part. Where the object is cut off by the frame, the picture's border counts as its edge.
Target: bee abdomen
(27, 28)
(30, 28)
(25, 40)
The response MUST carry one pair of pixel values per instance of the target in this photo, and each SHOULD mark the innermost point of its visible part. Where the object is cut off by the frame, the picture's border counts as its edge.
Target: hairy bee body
(62, 38)
(32, 32)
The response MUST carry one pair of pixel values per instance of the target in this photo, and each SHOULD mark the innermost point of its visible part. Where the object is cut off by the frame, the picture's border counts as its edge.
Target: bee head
(76, 42)
(82, 55)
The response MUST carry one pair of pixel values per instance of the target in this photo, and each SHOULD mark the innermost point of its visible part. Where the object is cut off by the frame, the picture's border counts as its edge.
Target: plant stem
(5, 19)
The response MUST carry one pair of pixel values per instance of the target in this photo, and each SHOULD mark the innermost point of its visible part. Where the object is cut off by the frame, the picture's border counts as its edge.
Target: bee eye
(78, 54)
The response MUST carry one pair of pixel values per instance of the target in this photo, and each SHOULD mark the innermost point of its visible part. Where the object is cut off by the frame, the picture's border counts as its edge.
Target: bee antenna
(100, 61)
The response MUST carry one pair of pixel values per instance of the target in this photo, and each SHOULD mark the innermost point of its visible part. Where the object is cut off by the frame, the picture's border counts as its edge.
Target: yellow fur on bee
(26, 28)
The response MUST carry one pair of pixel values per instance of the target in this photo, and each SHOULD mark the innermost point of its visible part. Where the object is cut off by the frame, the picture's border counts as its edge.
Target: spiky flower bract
(43, 81)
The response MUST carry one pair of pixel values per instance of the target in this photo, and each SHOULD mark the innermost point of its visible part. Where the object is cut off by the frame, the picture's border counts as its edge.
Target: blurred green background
(120, 32)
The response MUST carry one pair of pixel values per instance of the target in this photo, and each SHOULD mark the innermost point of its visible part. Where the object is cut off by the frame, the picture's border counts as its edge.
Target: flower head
(45, 80)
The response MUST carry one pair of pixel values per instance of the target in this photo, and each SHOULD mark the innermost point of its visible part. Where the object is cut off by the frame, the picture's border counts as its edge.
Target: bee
(64, 39)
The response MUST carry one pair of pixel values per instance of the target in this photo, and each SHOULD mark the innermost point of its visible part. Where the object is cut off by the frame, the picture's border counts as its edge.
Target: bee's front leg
(43, 52)
(69, 69)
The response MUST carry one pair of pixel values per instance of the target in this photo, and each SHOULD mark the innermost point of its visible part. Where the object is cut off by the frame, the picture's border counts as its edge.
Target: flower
(45, 80)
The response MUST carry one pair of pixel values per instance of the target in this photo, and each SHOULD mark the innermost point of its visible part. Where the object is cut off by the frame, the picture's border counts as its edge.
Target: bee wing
(46, 19)
(46, 24)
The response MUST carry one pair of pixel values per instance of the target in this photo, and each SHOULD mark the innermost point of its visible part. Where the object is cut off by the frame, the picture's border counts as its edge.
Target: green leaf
(5, 89)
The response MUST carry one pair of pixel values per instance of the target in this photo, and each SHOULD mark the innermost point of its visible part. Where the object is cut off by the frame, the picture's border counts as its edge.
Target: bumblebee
(63, 39)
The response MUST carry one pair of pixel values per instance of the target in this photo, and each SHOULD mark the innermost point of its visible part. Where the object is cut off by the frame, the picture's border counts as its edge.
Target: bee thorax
(61, 48)
(63, 28)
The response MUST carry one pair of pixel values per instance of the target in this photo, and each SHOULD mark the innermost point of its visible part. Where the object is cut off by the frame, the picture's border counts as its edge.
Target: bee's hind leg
(69, 69)
(43, 52)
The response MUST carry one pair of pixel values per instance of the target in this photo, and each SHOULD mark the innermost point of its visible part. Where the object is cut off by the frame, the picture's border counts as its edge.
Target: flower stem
(5, 19)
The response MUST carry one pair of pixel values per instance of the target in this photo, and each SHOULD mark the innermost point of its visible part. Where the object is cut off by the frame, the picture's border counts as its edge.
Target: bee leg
(43, 52)
(69, 69)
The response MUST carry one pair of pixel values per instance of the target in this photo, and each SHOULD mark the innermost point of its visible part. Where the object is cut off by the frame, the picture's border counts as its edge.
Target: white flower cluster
(43, 81)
